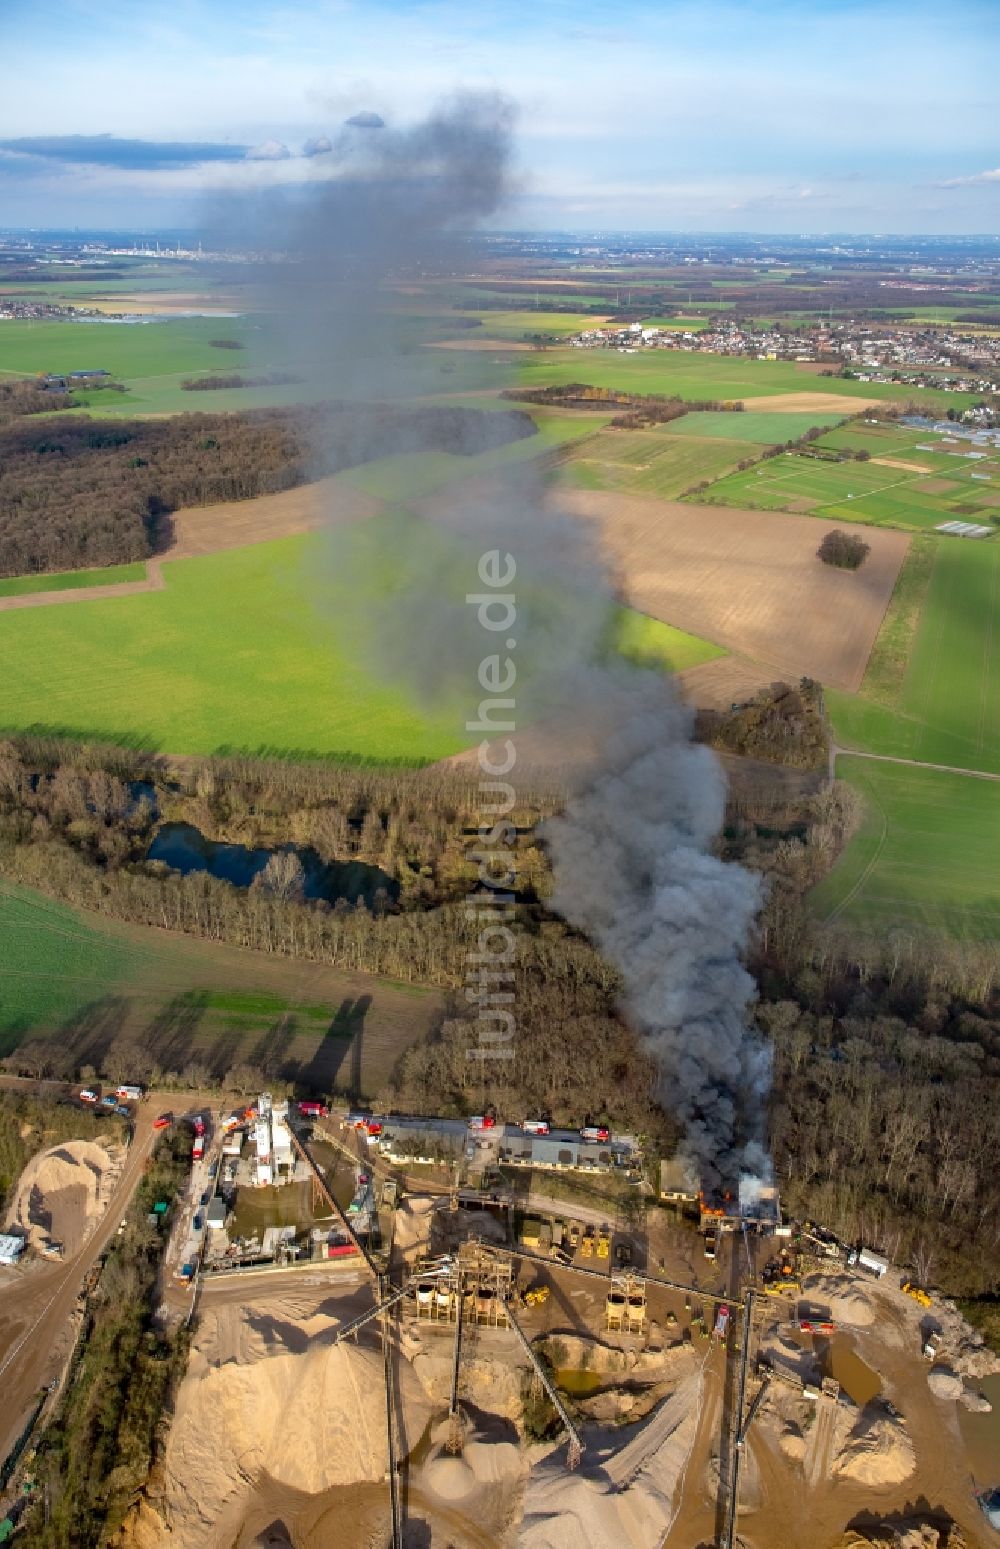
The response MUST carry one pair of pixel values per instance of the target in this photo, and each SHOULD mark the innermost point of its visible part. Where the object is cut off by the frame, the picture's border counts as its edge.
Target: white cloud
(269, 150)
(972, 181)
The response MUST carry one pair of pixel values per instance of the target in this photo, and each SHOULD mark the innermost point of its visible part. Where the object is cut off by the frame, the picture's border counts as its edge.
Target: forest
(77, 492)
(886, 1051)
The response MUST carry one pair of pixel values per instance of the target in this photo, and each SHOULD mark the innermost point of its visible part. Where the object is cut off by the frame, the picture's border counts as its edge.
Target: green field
(70, 580)
(152, 359)
(247, 649)
(653, 462)
(412, 475)
(762, 428)
(944, 707)
(932, 488)
(131, 350)
(652, 643)
(84, 981)
(925, 856)
(699, 375)
(517, 325)
(229, 655)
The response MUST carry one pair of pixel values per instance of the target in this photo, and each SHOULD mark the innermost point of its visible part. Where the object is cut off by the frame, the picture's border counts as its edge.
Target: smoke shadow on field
(338, 1060)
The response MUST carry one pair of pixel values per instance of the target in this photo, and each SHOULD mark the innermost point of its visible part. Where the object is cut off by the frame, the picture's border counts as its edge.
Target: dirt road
(37, 1303)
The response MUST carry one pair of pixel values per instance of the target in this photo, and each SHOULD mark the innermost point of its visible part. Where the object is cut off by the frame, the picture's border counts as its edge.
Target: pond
(838, 1359)
(184, 848)
(981, 1434)
(577, 1382)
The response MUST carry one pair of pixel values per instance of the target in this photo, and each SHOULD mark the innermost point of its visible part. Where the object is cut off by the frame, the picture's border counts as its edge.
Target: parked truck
(864, 1258)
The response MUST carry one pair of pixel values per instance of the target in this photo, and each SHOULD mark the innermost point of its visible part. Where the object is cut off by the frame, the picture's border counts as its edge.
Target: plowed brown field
(235, 523)
(750, 580)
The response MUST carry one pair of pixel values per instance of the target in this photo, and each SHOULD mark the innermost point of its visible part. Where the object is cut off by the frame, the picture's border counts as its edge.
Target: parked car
(163, 1121)
(87, 1096)
(199, 1221)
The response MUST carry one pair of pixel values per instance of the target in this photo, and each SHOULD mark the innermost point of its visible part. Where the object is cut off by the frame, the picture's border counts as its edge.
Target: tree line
(886, 1047)
(77, 492)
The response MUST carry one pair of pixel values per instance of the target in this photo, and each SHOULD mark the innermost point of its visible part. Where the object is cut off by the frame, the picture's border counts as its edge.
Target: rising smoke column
(634, 869)
(633, 852)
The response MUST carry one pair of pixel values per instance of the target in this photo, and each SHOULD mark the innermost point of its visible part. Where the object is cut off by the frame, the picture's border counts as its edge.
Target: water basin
(981, 1434)
(184, 848)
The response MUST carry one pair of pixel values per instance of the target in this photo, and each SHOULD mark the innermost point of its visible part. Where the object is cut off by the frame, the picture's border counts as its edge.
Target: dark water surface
(184, 848)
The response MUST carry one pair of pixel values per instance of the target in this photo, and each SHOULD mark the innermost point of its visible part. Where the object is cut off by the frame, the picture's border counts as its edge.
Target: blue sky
(757, 116)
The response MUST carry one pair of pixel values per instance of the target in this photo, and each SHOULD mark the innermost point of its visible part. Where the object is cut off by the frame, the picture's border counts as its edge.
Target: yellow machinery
(776, 1287)
(603, 1244)
(917, 1292)
(537, 1296)
(587, 1244)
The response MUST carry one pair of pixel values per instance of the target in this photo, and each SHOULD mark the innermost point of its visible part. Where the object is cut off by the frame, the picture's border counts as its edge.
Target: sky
(819, 116)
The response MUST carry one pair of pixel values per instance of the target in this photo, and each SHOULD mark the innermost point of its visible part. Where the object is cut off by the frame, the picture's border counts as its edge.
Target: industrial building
(447, 1142)
(678, 1181)
(273, 1142)
(11, 1248)
(755, 1206)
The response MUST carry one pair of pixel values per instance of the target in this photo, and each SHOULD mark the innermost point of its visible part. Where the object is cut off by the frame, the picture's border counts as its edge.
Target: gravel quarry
(63, 1193)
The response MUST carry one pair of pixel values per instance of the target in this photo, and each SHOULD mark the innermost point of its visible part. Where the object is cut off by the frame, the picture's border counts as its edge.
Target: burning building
(755, 1205)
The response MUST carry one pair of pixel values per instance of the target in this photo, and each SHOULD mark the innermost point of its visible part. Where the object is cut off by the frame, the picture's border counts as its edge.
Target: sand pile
(788, 1359)
(493, 1384)
(845, 1299)
(906, 1535)
(877, 1452)
(962, 1346)
(412, 1224)
(269, 1396)
(62, 1194)
(944, 1383)
(482, 1464)
(627, 1503)
(582, 1354)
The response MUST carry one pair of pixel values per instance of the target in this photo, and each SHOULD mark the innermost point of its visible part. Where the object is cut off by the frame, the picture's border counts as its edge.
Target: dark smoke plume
(633, 852)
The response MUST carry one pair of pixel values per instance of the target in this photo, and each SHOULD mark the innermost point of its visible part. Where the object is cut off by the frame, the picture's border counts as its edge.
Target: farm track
(910, 763)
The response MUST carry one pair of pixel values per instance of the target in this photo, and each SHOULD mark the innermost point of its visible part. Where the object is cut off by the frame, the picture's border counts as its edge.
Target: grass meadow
(252, 649)
(925, 856)
(70, 580)
(87, 980)
(754, 425)
(932, 691)
(152, 359)
(651, 462)
(695, 375)
(899, 486)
